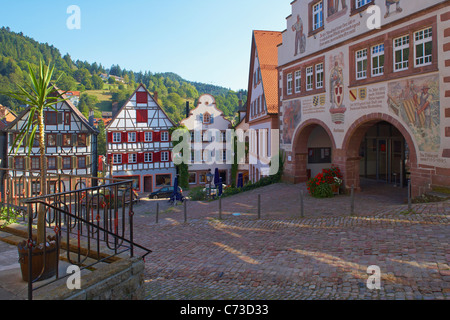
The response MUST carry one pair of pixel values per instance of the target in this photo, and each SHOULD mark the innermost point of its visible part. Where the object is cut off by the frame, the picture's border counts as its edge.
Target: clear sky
(201, 40)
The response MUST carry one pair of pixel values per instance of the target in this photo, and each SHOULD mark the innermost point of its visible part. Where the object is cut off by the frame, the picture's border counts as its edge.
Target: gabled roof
(265, 44)
(141, 85)
(67, 102)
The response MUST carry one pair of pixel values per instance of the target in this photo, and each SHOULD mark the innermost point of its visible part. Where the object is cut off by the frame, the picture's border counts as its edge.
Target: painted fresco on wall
(292, 116)
(337, 92)
(300, 37)
(416, 101)
(336, 9)
(392, 3)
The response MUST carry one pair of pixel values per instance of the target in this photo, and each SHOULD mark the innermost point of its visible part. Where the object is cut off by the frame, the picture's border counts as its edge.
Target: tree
(39, 95)
(97, 82)
(101, 139)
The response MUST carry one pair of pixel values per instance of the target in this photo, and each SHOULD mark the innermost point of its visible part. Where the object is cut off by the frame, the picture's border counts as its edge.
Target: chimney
(188, 109)
(91, 117)
(155, 96)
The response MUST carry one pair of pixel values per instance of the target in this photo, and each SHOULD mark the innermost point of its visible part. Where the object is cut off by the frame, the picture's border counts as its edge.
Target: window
(164, 136)
(81, 162)
(148, 136)
(117, 159)
(131, 136)
(401, 53)
(319, 76)
(378, 60)
(192, 178)
(163, 180)
(117, 137)
(35, 163)
(317, 16)
(51, 140)
(361, 64)
(67, 118)
(289, 83)
(141, 97)
(223, 136)
(423, 47)
(164, 156)
(224, 155)
(309, 78)
(132, 158)
(298, 81)
(362, 3)
(148, 157)
(81, 139)
(19, 163)
(142, 116)
(51, 117)
(206, 118)
(67, 163)
(51, 163)
(67, 140)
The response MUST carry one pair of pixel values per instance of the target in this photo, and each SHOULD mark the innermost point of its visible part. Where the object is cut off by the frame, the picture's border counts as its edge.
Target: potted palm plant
(40, 95)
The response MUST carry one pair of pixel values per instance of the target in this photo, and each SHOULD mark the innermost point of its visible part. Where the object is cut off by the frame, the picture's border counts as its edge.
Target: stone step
(441, 195)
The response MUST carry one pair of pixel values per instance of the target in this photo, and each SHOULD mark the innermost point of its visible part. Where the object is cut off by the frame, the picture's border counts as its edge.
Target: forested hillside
(18, 50)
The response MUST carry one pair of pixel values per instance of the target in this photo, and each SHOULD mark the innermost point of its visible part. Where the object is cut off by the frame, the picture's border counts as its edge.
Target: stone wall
(121, 280)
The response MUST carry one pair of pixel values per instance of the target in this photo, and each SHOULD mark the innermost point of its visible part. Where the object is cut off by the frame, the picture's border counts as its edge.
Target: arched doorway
(312, 150)
(377, 147)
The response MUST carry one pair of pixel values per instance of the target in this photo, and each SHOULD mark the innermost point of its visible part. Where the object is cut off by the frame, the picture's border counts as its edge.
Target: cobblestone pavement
(283, 257)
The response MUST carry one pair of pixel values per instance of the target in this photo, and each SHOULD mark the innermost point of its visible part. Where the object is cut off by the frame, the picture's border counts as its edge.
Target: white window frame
(148, 157)
(131, 137)
(132, 158)
(164, 136)
(377, 52)
(148, 136)
(319, 76)
(117, 137)
(298, 81)
(401, 44)
(317, 15)
(361, 3)
(117, 158)
(165, 156)
(289, 84)
(361, 57)
(309, 78)
(422, 38)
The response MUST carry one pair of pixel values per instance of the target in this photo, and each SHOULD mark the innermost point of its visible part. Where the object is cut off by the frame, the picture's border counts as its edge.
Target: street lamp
(209, 177)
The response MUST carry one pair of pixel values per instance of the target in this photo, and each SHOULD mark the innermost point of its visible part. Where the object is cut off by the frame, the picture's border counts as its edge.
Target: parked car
(164, 193)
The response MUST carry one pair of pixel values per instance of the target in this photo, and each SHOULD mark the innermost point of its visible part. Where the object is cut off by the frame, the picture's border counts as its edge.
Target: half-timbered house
(139, 146)
(70, 139)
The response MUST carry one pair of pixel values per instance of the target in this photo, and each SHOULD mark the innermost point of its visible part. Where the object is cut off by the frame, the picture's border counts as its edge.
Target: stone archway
(299, 165)
(348, 158)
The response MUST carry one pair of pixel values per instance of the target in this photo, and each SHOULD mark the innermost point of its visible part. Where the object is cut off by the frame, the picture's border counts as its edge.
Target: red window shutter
(170, 156)
(142, 116)
(124, 137)
(125, 158)
(156, 136)
(141, 136)
(110, 137)
(140, 158)
(141, 97)
(109, 158)
(157, 157)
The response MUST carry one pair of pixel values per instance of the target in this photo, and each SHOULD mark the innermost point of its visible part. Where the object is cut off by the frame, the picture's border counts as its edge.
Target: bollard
(352, 206)
(259, 206)
(220, 208)
(157, 212)
(409, 196)
(302, 207)
(185, 211)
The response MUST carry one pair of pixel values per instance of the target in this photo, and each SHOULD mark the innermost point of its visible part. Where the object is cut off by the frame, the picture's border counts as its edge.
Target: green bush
(323, 191)
(197, 194)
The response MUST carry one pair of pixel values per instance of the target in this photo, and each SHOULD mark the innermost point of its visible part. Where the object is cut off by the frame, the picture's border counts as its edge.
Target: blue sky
(201, 40)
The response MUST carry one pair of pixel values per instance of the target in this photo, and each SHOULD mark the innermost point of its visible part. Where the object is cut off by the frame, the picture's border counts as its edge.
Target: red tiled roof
(267, 47)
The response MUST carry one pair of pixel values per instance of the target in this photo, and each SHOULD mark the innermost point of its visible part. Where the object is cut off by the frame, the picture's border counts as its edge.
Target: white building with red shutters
(139, 146)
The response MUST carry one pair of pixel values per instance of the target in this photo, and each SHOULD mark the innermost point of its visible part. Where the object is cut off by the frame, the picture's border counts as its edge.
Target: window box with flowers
(326, 184)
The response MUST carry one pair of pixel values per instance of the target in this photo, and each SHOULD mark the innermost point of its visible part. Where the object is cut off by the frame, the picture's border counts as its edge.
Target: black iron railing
(91, 219)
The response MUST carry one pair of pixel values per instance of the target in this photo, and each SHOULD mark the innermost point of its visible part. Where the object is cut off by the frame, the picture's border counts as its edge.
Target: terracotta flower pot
(42, 267)
(335, 189)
